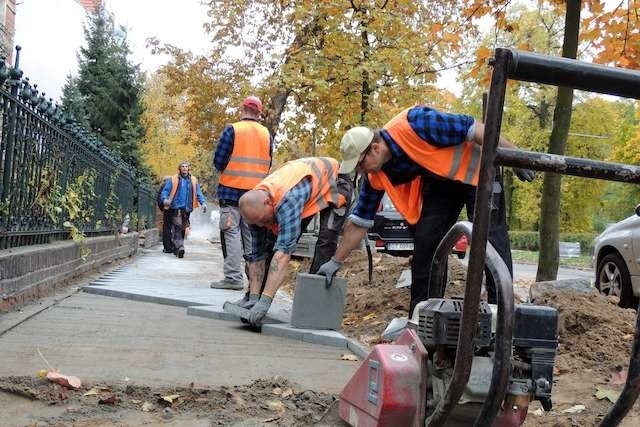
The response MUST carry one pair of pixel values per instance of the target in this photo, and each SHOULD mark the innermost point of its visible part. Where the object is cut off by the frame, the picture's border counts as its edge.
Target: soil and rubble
(595, 338)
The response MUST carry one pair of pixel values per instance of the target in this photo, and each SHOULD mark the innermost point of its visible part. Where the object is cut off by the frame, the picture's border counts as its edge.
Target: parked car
(391, 233)
(616, 256)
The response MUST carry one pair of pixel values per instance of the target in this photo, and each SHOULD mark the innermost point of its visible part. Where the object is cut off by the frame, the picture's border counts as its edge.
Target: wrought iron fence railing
(57, 180)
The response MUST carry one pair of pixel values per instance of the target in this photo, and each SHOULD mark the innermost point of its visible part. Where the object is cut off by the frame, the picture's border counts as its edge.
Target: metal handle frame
(566, 72)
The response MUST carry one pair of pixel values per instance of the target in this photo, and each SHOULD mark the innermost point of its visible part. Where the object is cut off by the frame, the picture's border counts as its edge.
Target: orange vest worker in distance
(251, 157)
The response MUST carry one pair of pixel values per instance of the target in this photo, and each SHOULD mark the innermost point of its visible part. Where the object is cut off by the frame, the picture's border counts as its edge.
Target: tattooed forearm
(277, 272)
(273, 267)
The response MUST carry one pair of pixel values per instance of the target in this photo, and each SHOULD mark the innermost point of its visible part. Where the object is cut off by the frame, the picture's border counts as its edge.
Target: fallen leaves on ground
(111, 400)
(66, 381)
(350, 357)
(605, 393)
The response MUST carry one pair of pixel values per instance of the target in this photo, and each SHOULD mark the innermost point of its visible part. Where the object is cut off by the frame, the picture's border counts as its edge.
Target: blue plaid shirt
(434, 127)
(221, 160)
(289, 219)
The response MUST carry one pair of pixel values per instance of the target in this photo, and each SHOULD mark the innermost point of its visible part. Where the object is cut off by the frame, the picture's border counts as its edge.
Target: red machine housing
(389, 388)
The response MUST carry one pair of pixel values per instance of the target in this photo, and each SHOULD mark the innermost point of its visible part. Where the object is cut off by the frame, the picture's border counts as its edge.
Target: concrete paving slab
(161, 278)
(216, 312)
(313, 336)
(118, 341)
(315, 306)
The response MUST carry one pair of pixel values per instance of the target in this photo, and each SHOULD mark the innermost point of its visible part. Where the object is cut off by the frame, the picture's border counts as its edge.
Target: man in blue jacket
(181, 195)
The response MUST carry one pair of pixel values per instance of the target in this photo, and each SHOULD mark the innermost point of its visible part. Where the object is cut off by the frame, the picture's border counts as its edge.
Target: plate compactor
(401, 384)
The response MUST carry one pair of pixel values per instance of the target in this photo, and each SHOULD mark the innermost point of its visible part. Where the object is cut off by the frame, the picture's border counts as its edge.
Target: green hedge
(529, 240)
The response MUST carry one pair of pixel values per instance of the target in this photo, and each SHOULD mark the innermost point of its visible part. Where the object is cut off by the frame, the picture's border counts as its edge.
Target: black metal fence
(57, 180)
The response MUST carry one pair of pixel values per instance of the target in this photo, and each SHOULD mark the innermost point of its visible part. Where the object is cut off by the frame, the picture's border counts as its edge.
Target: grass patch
(531, 257)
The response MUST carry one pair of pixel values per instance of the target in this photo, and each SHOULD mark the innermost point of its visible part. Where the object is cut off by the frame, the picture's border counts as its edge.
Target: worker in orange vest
(428, 162)
(279, 208)
(243, 159)
(181, 195)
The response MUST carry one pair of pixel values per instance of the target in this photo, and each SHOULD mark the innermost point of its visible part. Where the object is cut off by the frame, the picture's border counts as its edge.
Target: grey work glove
(166, 203)
(328, 270)
(204, 208)
(524, 174)
(259, 310)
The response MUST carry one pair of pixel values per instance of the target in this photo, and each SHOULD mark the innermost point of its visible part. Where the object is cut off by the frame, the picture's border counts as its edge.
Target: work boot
(227, 284)
(180, 253)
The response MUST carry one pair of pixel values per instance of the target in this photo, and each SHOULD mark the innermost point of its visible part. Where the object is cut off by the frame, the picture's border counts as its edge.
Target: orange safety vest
(457, 163)
(175, 179)
(251, 156)
(323, 172)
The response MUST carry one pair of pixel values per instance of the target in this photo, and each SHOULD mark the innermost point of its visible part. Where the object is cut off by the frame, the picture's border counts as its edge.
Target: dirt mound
(263, 401)
(594, 333)
(371, 306)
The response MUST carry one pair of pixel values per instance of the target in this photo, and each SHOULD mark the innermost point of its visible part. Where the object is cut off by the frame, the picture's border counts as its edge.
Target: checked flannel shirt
(435, 127)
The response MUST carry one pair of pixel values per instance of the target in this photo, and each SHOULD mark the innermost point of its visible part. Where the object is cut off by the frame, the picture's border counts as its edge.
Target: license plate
(400, 247)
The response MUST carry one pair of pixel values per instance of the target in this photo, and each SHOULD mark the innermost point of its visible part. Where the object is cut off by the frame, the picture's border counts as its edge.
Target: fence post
(15, 73)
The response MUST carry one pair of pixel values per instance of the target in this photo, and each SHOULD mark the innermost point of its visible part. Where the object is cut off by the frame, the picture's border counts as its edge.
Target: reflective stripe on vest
(323, 172)
(175, 180)
(251, 156)
(458, 163)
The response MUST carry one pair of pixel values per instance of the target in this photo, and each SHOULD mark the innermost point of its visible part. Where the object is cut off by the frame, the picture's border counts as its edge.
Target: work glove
(204, 208)
(166, 203)
(259, 310)
(524, 174)
(328, 270)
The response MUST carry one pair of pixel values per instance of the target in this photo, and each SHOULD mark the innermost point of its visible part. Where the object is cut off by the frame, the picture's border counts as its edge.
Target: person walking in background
(167, 244)
(180, 196)
(428, 163)
(242, 158)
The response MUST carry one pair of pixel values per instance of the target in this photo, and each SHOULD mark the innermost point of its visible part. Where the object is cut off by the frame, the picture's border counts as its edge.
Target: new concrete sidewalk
(162, 278)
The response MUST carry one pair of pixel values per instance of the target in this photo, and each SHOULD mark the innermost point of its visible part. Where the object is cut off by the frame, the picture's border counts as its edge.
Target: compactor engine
(401, 384)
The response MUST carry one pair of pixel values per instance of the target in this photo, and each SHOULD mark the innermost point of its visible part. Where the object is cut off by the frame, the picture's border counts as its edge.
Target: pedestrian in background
(181, 195)
(243, 159)
(167, 244)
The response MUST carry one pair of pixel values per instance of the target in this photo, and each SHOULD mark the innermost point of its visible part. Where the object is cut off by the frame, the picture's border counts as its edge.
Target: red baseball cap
(253, 102)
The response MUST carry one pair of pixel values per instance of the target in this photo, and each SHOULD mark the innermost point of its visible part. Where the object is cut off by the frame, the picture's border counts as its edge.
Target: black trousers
(166, 231)
(442, 204)
(331, 224)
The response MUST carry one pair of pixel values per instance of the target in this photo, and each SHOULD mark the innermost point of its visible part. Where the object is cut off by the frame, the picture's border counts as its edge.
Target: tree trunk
(550, 204)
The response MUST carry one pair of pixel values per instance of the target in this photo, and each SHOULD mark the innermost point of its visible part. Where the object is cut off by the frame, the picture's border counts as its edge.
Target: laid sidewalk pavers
(162, 278)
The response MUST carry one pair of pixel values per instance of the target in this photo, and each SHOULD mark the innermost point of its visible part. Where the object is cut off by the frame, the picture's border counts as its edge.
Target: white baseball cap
(354, 142)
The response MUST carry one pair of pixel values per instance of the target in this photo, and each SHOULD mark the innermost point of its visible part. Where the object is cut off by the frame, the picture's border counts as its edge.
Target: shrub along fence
(57, 180)
(530, 240)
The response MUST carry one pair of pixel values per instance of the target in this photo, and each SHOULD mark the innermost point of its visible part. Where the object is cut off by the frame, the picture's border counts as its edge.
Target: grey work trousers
(235, 236)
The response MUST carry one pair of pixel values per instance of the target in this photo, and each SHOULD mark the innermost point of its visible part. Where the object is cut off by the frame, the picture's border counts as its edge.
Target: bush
(529, 240)
(524, 240)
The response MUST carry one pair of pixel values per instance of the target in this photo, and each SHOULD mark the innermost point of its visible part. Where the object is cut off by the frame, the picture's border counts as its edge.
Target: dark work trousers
(166, 231)
(442, 203)
(179, 224)
(331, 223)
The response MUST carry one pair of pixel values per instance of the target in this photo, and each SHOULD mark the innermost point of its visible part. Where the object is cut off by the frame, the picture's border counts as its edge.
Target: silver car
(616, 257)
